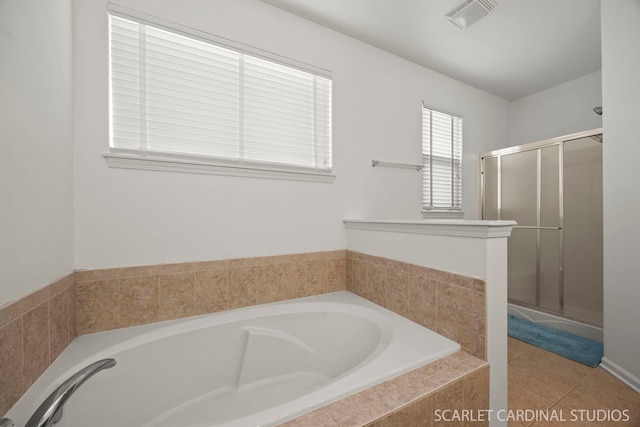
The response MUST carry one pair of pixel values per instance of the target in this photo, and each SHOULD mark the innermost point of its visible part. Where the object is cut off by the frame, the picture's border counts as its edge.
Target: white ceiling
(521, 47)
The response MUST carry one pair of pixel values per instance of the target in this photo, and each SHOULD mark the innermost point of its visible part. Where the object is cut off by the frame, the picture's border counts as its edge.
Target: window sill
(128, 161)
(443, 214)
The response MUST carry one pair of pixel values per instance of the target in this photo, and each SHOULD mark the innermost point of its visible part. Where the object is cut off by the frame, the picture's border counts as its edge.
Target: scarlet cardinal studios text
(529, 415)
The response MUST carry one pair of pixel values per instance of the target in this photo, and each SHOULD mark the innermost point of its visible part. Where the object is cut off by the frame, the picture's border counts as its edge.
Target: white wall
(621, 175)
(126, 217)
(557, 111)
(36, 146)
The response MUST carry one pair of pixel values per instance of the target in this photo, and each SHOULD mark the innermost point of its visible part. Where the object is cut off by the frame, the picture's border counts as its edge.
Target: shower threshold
(572, 326)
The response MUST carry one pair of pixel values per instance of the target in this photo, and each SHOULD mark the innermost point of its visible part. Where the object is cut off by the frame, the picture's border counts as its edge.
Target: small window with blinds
(442, 159)
(180, 97)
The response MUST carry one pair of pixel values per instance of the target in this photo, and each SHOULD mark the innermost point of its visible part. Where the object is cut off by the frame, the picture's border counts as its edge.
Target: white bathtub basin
(258, 366)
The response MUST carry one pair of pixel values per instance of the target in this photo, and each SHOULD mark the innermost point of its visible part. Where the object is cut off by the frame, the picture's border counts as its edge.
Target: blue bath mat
(583, 350)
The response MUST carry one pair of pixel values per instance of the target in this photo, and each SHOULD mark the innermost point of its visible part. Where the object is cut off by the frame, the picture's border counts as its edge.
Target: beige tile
(359, 280)
(348, 405)
(377, 280)
(138, 271)
(521, 398)
(479, 312)
(337, 280)
(61, 284)
(10, 312)
(58, 324)
(397, 288)
(479, 285)
(457, 279)
(418, 414)
(559, 416)
(293, 280)
(176, 295)
(36, 343)
(589, 398)
(382, 391)
(243, 263)
(475, 388)
(454, 314)
(72, 306)
(34, 299)
(11, 364)
(517, 348)
(546, 374)
(316, 277)
(394, 264)
(455, 359)
(93, 275)
(479, 345)
(405, 395)
(451, 397)
(211, 291)
(422, 306)
(603, 382)
(364, 415)
(383, 262)
(328, 255)
(433, 274)
(139, 300)
(175, 268)
(469, 362)
(269, 283)
(97, 306)
(242, 287)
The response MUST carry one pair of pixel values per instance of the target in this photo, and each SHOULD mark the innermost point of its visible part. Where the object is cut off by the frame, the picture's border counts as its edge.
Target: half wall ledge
(447, 227)
(476, 249)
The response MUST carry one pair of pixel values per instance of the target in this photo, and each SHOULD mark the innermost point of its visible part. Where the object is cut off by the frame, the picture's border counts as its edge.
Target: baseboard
(621, 374)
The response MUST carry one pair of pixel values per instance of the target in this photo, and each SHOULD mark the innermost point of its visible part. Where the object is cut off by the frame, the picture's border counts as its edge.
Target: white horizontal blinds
(192, 96)
(322, 122)
(283, 123)
(173, 94)
(125, 84)
(442, 157)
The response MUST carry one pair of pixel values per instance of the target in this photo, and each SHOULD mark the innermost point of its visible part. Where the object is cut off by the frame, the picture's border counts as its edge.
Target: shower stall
(553, 189)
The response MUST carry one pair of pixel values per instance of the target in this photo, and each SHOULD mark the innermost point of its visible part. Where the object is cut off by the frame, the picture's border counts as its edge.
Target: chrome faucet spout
(50, 411)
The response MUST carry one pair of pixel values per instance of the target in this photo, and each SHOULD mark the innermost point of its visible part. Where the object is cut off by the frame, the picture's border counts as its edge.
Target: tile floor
(550, 384)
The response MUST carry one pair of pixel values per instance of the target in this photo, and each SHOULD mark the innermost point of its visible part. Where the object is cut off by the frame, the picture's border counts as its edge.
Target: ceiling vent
(470, 11)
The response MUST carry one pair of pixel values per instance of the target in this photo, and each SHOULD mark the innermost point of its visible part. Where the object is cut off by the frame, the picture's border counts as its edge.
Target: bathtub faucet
(50, 411)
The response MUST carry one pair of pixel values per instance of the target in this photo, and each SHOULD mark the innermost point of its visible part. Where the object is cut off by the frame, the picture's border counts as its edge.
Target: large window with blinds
(179, 97)
(442, 160)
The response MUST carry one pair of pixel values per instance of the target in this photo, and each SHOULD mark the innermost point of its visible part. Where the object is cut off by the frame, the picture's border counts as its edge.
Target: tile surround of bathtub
(122, 297)
(448, 303)
(33, 332)
(456, 381)
(37, 328)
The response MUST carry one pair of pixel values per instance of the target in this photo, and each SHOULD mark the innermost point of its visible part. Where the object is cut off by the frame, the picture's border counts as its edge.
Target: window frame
(204, 164)
(428, 209)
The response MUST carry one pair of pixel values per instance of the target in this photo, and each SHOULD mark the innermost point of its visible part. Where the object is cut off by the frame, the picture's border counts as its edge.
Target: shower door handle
(530, 227)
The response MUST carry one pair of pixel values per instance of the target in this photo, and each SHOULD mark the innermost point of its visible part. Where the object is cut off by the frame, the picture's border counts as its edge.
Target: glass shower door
(583, 269)
(554, 193)
(531, 196)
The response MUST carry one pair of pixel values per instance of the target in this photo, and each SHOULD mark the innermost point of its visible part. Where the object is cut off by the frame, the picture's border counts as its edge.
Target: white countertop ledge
(446, 227)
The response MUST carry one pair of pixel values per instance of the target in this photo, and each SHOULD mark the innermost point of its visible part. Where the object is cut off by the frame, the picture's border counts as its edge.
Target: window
(181, 98)
(442, 159)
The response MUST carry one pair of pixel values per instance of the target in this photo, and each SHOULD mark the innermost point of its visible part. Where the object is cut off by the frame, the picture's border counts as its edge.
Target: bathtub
(257, 366)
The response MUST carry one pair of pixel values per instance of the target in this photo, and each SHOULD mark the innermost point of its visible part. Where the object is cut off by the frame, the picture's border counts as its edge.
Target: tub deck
(457, 381)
